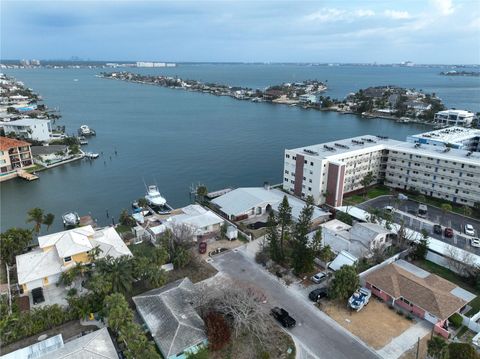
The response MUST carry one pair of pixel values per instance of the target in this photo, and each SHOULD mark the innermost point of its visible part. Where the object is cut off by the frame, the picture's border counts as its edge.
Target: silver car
(317, 278)
(469, 230)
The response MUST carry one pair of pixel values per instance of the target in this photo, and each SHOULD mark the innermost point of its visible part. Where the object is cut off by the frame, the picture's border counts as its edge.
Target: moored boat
(70, 219)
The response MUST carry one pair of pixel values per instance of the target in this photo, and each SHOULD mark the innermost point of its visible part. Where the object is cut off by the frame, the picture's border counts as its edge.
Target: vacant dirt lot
(375, 324)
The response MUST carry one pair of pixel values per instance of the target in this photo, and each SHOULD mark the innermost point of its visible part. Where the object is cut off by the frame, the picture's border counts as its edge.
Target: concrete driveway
(316, 335)
(435, 216)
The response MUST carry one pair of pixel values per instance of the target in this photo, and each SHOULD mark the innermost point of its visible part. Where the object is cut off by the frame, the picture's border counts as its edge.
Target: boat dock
(27, 176)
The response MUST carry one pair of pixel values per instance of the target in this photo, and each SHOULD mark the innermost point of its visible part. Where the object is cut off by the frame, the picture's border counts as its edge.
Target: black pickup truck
(282, 316)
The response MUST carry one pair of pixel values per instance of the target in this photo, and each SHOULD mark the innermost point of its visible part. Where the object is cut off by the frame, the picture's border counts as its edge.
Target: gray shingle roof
(171, 318)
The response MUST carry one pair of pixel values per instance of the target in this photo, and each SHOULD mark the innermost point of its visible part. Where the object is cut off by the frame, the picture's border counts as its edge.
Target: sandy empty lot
(375, 324)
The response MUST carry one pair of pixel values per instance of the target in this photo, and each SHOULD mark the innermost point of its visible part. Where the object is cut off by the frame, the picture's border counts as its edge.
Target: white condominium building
(454, 137)
(330, 170)
(454, 118)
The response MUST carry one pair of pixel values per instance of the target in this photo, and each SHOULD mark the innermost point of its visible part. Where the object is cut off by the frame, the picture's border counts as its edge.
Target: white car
(389, 209)
(475, 242)
(317, 278)
(469, 230)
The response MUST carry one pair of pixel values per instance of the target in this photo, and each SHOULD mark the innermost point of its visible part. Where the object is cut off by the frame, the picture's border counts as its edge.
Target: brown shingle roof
(7, 143)
(431, 293)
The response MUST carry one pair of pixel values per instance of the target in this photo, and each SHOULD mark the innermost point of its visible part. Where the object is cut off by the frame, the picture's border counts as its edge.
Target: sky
(422, 31)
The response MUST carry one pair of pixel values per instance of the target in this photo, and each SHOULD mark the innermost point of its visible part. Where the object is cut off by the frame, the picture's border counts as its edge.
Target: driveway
(316, 335)
(407, 210)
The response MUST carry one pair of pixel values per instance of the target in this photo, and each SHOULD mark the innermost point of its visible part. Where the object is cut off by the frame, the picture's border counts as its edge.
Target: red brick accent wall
(299, 162)
(379, 293)
(437, 328)
(336, 177)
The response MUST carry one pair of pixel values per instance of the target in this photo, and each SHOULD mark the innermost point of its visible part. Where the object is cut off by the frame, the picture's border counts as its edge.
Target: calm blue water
(176, 138)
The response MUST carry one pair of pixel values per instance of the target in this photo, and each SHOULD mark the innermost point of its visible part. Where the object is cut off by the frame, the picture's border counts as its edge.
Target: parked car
(37, 295)
(282, 316)
(317, 294)
(389, 209)
(402, 197)
(448, 232)
(437, 229)
(202, 247)
(319, 277)
(422, 210)
(469, 230)
(475, 242)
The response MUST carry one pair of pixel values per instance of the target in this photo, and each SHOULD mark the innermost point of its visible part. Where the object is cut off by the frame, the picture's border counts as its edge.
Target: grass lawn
(454, 278)
(372, 192)
(122, 229)
(35, 168)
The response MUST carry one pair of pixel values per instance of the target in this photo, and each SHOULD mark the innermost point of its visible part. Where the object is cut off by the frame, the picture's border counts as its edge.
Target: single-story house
(61, 251)
(51, 154)
(359, 240)
(248, 202)
(204, 223)
(421, 293)
(171, 319)
(98, 344)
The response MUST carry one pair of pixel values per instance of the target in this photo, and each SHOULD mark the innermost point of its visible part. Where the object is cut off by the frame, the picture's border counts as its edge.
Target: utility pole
(418, 347)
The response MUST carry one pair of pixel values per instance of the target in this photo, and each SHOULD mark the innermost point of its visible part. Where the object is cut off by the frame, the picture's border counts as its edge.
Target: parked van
(422, 210)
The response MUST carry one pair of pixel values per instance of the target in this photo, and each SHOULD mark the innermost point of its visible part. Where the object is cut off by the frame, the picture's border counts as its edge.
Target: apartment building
(30, 128)
(454, 118)
(454, 137)
(331, 170)
(14, 155)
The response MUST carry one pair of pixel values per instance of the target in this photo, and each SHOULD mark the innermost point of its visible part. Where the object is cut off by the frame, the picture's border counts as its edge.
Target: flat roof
(456, 112)
(452, 134)
(347, 145)
(24, 122)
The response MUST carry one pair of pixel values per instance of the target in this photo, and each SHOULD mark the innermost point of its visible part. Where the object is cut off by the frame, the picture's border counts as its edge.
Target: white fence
(471, 323)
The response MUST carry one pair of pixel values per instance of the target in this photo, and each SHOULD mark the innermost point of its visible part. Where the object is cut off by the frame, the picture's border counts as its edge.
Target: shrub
(218, 331)
(410, 317)
(400, 313)
(456, 320)
(262, 257)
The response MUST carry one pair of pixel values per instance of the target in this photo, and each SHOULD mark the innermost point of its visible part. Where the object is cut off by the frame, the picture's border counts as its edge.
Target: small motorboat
(82, 140)
(71, 219)
(91, 155)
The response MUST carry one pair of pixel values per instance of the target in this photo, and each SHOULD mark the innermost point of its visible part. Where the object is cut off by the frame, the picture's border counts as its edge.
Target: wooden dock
(27, 176)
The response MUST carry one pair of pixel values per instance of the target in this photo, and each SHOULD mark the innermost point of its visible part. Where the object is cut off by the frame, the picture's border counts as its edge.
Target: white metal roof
(344, 258)
(38, 264)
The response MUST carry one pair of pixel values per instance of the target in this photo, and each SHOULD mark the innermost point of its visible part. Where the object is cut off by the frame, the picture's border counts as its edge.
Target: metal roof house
(96, 345)
(171, 319)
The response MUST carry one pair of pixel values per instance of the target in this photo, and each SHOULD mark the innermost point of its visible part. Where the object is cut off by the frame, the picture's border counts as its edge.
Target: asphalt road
(315, 331)
(434, 216)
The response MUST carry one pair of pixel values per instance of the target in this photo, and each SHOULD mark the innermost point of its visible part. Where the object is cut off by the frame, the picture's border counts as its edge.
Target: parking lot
(407, 211)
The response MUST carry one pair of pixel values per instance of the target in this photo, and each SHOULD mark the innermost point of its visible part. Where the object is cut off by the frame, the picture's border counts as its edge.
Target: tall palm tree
(48, 220)
(119, 271)
(35, 215)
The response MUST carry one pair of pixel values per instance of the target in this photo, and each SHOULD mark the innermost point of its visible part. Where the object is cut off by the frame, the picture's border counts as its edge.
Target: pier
(26, 176)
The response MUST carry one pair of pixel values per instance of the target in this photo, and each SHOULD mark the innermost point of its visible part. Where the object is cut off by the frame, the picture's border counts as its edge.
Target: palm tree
(94, 253)
(119, 271)
(35, 215)
(48, 220)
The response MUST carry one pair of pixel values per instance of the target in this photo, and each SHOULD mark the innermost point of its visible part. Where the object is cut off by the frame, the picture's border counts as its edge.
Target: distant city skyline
(386, 32)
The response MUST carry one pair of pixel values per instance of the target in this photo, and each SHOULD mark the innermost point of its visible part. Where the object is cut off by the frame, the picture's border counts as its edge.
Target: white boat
(71, 219)
(84, 130)
(91, 155)
(154, 197)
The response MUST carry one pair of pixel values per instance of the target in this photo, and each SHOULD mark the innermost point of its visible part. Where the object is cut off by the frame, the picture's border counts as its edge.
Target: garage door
(431, 318)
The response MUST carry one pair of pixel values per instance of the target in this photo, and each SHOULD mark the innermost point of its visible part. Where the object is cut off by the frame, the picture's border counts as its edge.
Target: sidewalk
(405, 341)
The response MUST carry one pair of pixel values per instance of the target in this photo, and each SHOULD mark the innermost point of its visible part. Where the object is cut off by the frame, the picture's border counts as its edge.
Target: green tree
(367, 181)
(272, 238)
(437, 348)
(420, 249)
(316, 244)
(467, 211)
(118, 271)
(13, 242)
(345, 282)
(117, 310)
(35, 215)
(48, 220)
(446, 207)
(181, 257)
(303, 255)
(285, 221)
(94, 253)
(126, 219)
(143, 203)
(326, 254)
(461, 351)
(202, 353)
(202, 191)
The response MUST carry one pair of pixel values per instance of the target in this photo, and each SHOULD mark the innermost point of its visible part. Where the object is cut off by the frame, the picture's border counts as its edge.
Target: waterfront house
(418, 292)
(309, 98)
(454, 118)
(97, 344)
(14, 155)
(49, 155)
(251, 202)
(170, 317)
(61, 251)
(29, 128)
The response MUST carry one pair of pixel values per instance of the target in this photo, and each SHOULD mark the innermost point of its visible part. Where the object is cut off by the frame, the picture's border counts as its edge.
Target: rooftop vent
(368, 140)
(469, 153)
(357, 142)
(382, 137)
(329, 148)
(341, 145)
(306, 150)
(418, 145)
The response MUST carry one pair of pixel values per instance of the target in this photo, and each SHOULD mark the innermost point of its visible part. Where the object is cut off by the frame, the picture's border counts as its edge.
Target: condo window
(67, 259)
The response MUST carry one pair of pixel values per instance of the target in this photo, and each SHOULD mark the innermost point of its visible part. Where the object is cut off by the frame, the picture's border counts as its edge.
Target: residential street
(435, 215)
(318, 335)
